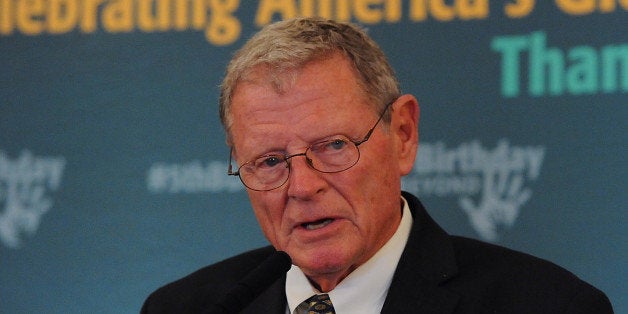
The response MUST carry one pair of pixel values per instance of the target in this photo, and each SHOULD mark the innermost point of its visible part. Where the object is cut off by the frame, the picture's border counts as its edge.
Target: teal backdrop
(113, 163)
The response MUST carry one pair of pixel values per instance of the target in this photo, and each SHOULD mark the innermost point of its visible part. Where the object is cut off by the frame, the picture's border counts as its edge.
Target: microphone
(254, 283)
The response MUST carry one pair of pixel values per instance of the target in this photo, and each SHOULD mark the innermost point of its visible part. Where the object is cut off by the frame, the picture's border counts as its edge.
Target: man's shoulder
(489, 277)
(489, 269)
(471, 256)
(206, 283)
(496, 260)
(234, 267)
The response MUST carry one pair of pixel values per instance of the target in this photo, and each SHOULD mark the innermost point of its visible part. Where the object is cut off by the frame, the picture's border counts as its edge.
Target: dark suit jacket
(437, 273)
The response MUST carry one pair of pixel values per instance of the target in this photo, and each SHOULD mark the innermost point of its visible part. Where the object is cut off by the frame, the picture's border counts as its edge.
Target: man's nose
(304, 180)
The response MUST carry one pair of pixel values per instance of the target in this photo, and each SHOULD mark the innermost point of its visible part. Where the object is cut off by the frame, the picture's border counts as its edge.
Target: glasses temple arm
(230, 171)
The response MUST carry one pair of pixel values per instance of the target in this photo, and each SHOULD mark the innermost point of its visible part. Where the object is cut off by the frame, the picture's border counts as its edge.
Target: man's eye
(330, 147)
(268, 162)
(336, 144)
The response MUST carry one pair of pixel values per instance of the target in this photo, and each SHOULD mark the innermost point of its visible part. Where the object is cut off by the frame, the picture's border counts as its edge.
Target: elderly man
(321, 136)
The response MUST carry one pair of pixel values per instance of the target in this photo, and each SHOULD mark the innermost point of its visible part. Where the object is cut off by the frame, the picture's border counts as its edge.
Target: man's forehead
(280, 81)
(283, 75)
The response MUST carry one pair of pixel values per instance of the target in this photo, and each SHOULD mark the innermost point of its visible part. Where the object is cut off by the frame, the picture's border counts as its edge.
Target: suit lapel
(427, 261)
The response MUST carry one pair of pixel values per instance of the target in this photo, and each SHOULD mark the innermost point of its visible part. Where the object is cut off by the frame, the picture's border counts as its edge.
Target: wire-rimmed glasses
(334, 154)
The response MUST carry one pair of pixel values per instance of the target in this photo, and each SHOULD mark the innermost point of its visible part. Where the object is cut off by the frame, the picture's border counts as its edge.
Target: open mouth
(314, 225)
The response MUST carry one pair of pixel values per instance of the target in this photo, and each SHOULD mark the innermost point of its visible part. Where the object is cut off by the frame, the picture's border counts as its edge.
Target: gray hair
(285, 46)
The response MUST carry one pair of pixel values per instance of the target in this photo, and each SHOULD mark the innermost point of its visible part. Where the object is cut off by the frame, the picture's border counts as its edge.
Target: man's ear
(405, 127)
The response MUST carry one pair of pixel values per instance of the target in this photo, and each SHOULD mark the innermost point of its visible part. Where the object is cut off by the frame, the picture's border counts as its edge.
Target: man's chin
(324, 264)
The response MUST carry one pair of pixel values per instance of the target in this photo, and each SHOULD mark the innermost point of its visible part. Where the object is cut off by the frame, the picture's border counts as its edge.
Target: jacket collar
(427, 262)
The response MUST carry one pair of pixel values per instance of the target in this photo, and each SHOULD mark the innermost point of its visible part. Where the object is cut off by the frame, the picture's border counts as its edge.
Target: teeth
(317, 224)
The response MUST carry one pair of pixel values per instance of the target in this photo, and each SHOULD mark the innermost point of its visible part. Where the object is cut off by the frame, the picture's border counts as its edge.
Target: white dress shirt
(364, 290)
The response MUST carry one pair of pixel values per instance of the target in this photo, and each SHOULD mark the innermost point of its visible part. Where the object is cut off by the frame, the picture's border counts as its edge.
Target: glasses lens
(265, 173)
(333, 155)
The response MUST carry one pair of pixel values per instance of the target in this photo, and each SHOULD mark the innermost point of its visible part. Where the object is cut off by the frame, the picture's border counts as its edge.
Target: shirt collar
(365, 289)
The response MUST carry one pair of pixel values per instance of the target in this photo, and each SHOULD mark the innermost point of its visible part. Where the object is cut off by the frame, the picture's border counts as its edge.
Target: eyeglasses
(271, 171)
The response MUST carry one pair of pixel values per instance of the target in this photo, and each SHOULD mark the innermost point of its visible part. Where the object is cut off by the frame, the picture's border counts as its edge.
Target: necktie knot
(320, 304)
